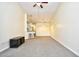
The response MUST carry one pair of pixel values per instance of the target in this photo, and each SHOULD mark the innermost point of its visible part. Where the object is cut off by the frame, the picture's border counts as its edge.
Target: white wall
(11, 23)
(67, 26)
(42, 29)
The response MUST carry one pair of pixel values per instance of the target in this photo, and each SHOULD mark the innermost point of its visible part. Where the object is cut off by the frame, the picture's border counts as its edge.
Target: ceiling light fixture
(38, 4)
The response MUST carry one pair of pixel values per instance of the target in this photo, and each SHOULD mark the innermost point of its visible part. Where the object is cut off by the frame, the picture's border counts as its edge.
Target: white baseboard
(67, 47)
(4, 49)
(4, 46)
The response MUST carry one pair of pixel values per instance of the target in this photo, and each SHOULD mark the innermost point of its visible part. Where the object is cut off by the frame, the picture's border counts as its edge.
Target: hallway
(38, 47)
(58, 20)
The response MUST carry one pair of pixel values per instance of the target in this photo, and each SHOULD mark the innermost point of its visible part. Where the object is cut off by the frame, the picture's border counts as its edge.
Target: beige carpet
(38, 47)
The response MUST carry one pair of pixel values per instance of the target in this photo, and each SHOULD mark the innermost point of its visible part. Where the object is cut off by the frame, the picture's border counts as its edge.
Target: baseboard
(4, 46)
(4, 49)
(66, 47)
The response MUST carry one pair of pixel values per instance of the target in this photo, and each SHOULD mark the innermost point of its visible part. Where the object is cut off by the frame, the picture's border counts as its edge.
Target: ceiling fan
(39, 4)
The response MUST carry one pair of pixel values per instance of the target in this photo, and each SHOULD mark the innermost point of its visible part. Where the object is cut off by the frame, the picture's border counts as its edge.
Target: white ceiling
(37, 14)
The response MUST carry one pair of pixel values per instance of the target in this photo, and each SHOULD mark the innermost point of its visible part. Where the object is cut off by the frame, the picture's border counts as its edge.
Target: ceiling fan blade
(45, 2)
(41, 6)
(34, 5)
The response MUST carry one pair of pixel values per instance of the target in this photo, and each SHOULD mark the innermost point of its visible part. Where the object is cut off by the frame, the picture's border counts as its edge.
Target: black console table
(16, 42)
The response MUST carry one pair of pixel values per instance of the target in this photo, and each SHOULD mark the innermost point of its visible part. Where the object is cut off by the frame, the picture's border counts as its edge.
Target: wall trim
(4, 46)
(4, 49)
(66, 47)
